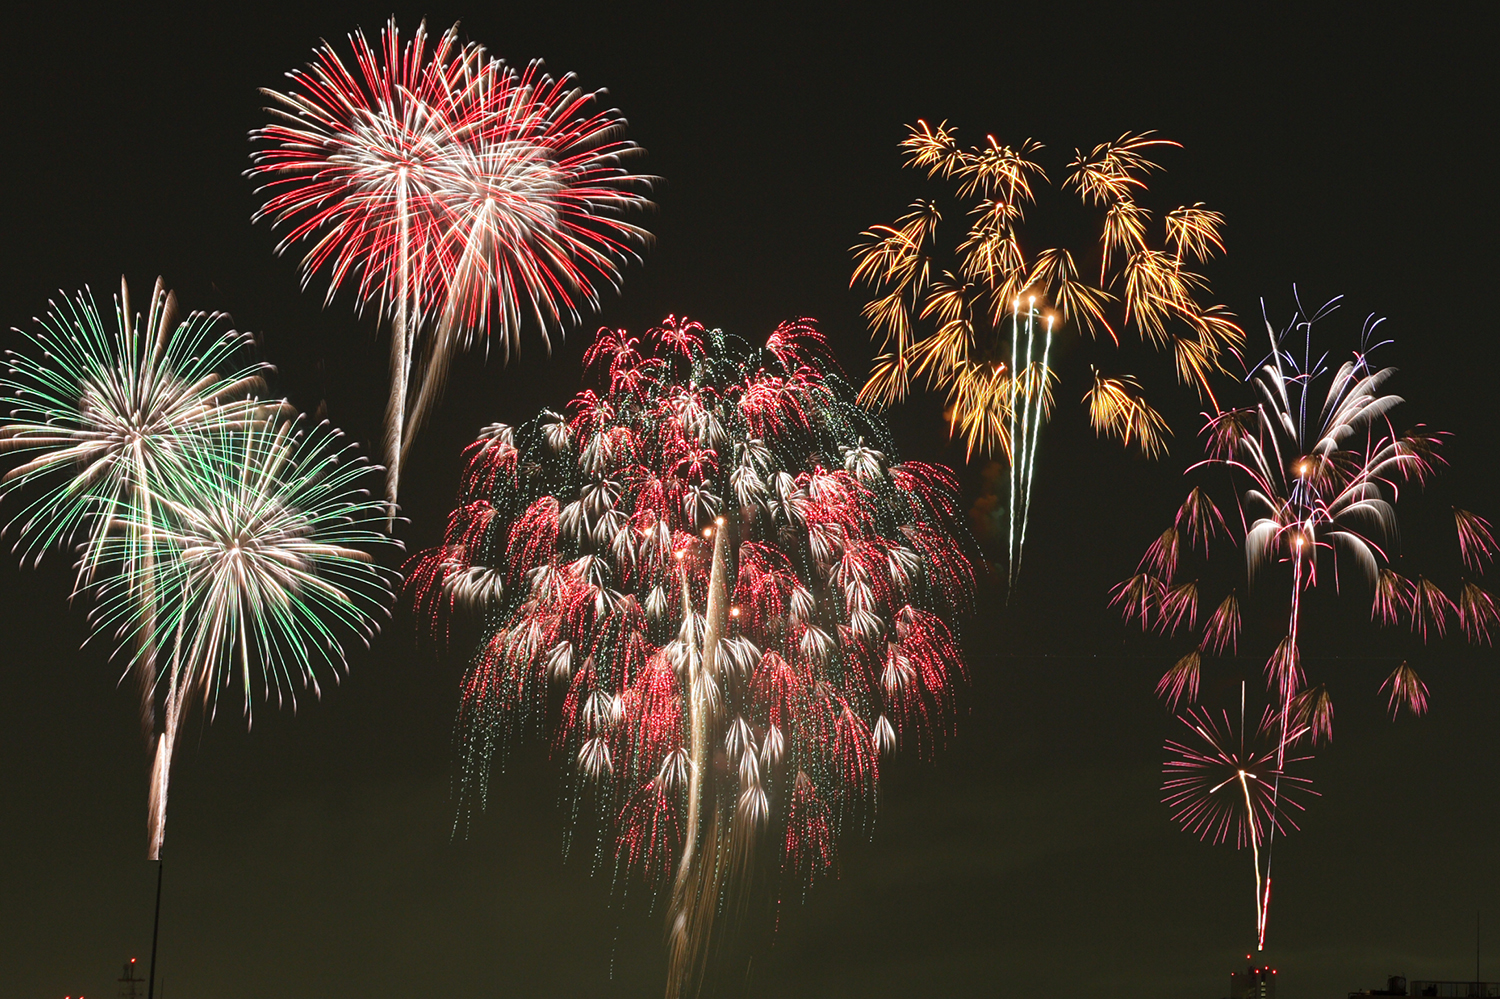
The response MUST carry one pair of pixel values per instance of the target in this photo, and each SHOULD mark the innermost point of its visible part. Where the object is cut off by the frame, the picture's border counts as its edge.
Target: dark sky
(1352, 153)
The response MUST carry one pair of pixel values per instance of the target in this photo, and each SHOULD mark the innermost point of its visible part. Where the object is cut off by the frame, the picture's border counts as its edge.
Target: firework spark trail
(742, 602)
(1018, 458)
(1288, 685)
(1034, 434)
(1015, 340)
(1029, 387)
(1316, 466)
(696, 888)
(441, 180)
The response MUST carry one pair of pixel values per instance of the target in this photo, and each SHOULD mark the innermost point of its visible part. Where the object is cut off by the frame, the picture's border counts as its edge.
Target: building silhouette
(1456, 990)
(1397, 985)
(1253, 983)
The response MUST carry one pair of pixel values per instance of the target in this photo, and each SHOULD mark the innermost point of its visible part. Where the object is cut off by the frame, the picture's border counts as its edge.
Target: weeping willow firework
(714, 591)
(1314, 468)
(104, 418)
(963, 319)
(461, 195)
(262, 562)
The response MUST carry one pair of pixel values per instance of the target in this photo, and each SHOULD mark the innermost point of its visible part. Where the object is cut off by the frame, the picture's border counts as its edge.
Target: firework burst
(1231, 784)
(263, 565)
(1314, 468)
(964, 318)
(720, 598)
(220, 544)
(460, 195)
(104, 417)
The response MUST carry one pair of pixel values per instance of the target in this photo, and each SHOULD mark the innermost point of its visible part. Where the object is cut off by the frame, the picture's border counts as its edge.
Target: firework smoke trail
(740, 602)
(1316, 481)
(263, 566)
(1300, 532)
(695, 892)
(1243, 778)
(1287, 691)
(1261, 898)
(1018, 459)
(441, 179)
(104, 420)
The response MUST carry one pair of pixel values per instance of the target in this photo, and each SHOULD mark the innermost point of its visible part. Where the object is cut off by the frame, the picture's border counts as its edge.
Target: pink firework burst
(1225, 784)
(1222, 780)
(461, 197)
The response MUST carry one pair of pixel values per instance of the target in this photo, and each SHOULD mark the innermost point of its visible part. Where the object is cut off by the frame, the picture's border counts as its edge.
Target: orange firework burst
(942, 312)
(975, 317)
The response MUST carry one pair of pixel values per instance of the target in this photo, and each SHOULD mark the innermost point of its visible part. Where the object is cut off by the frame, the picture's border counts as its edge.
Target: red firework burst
(461, 195)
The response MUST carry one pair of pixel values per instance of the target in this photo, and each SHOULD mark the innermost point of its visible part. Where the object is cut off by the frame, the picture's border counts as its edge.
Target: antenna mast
(130, 986)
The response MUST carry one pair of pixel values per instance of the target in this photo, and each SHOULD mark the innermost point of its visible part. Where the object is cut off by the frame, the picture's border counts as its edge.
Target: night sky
(312, 857)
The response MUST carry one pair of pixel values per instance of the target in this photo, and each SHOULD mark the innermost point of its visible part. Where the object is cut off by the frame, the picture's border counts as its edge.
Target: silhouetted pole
(155, 928)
